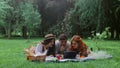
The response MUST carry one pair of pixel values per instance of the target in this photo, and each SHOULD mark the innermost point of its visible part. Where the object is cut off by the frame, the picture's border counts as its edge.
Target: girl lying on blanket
(42, 47)
(79, 46)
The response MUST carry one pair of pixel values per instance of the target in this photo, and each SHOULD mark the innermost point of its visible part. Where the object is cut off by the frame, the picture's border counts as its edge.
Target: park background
(25, 22)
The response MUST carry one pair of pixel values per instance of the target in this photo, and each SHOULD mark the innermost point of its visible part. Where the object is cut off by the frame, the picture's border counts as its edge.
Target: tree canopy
(38, 17)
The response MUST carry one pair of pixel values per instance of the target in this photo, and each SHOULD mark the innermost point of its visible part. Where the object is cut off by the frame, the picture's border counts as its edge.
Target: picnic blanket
(92, 56)
(99, 55)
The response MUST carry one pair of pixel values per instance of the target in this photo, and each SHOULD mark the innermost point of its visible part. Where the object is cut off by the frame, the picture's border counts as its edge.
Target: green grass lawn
(12, 55)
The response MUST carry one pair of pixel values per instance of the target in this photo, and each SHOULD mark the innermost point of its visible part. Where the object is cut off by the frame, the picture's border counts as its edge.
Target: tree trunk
(9, 30)
(3, 31)
(24, 32)
(112, 34)
(117, 35)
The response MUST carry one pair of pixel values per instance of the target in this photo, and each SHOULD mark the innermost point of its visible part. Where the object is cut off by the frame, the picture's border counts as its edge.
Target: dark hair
(63, 37)
(47, 41)
(51, 50)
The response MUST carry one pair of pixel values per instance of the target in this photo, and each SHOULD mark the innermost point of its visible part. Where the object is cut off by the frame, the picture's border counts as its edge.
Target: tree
(86, 16)
(112, 12)
(16, 14)
(51, 11)
(31, 17)
(4, 9)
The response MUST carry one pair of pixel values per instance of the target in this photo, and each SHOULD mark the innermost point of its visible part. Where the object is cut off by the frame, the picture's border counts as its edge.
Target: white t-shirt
(58, 44)
(38, 50)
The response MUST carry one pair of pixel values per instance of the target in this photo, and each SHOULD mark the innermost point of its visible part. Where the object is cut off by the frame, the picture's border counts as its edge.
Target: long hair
(82, 48)
(47, 40)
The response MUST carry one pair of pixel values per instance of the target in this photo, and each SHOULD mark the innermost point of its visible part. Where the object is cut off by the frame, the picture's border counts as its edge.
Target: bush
(104, 35)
